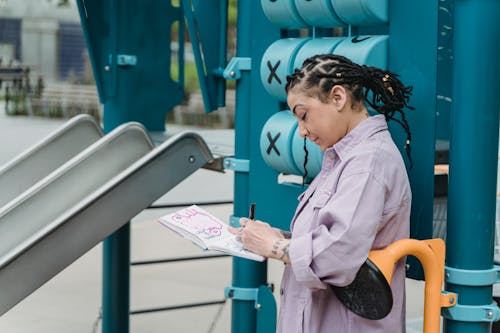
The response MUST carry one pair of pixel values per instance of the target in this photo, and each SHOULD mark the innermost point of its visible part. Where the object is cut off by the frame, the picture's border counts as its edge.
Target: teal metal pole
(141, 91)
(116, 282)
(473, 152)
(246, 273)
(116, 248)
(129, 44)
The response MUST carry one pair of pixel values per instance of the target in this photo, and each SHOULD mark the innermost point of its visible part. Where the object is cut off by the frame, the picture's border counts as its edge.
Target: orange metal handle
(431, 254)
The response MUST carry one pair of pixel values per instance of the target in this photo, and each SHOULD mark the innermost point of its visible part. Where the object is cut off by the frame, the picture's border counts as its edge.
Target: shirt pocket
(320, 199)
(312, 213)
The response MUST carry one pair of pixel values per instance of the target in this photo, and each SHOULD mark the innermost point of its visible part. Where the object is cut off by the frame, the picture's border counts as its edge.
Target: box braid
(306, 157)
(320, 73)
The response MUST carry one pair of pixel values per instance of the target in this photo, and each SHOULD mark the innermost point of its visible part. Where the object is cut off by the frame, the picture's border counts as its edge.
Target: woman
(360, 201)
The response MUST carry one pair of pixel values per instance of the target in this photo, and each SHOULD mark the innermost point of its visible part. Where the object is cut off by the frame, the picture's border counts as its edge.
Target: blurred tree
(60, 3)
(231, 28)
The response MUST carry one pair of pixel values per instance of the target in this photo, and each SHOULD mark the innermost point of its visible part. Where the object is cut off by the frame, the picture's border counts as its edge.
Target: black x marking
(272, 143)
(272, 72)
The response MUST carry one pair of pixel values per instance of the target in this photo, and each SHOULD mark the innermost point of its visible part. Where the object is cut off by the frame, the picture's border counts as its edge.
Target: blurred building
(45, 37)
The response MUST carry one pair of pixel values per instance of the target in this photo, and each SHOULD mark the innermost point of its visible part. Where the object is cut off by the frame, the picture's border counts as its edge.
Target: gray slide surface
(66, 213)
(37, 162)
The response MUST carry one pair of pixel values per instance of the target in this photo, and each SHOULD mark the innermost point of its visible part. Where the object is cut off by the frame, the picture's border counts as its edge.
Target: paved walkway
(70, 302)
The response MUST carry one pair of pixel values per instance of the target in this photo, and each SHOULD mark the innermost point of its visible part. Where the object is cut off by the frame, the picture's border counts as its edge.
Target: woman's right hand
(259, 237)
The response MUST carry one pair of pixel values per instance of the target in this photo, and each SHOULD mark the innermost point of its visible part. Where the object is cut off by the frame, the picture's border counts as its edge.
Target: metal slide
(65, 214)
(37, 162)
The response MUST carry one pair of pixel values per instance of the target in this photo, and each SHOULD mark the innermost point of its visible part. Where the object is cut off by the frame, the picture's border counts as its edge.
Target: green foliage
(59, 3)
(190, 76)
(232, 13)
(191, 82)
(62, 3)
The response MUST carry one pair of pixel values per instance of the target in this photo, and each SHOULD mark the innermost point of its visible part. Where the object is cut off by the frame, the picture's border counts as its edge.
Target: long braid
(306, 157)
(380, 89)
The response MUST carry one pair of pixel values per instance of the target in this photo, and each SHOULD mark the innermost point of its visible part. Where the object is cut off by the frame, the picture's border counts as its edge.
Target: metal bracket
(126, 60)
(234, 221)
(243, 294)
(235, 164)
(235, 66)
(472, 313)
(465, 277)
(263, 298)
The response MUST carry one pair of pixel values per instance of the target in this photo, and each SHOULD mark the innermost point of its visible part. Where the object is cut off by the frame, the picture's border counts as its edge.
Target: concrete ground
(71, 301)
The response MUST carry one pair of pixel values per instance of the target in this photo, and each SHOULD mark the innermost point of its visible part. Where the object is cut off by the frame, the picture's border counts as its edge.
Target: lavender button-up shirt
(360, 201)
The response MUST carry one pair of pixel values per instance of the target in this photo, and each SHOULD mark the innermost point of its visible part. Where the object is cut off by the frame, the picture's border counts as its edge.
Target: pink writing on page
(200, 221)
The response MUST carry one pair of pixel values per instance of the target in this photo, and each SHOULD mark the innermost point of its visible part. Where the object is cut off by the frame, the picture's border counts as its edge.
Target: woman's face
(323, 123)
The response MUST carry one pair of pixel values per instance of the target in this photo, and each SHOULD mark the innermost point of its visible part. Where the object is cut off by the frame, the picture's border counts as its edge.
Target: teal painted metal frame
(416, 65)
(473, 155)
(472, 313)
(115, 33)
(466, 277)
(264, 304)
(235, 66)
(412, 54)
(126, 60)
(209, 61)
(234, 221)
(471, 203)
(244, 294)
(235, 164)
(254, 34)
(119, 52)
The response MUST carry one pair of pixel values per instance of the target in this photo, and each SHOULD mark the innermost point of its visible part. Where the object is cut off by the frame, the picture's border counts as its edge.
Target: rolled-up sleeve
(338, 244)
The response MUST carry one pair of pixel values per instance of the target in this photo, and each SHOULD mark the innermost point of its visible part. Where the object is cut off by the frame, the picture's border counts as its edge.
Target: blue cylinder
(362, 12)
(365, 50)
(278, 62)
(276, 141)
(283, 13)
(282, 147)
(318, 13)
(315, 46)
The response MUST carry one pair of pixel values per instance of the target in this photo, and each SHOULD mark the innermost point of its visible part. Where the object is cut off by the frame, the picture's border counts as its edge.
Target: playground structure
(129, 46)
(30, 244)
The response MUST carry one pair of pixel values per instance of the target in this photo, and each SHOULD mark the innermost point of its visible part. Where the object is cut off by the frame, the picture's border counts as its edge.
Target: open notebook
(206, 231)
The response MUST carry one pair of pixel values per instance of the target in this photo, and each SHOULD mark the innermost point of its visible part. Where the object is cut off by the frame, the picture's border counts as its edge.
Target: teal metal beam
(143, 92)
(246, 274)
(207, 26)
(129, 44)
(116, 282)
(473, 153)
(255, 33)
(412, 54)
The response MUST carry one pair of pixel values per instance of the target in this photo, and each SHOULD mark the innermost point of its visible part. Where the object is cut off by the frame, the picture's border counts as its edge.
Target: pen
(251, 214)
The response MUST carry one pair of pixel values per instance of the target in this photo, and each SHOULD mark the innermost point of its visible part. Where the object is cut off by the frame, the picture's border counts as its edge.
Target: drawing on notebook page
(205, 224)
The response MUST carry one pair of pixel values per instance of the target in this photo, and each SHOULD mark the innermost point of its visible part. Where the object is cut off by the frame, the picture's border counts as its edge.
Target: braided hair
(380, 89)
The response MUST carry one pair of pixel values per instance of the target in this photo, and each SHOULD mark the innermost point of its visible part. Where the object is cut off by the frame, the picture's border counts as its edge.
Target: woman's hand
(259, 237)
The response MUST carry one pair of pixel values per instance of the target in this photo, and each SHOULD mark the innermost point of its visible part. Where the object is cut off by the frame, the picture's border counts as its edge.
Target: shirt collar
(364, 130)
